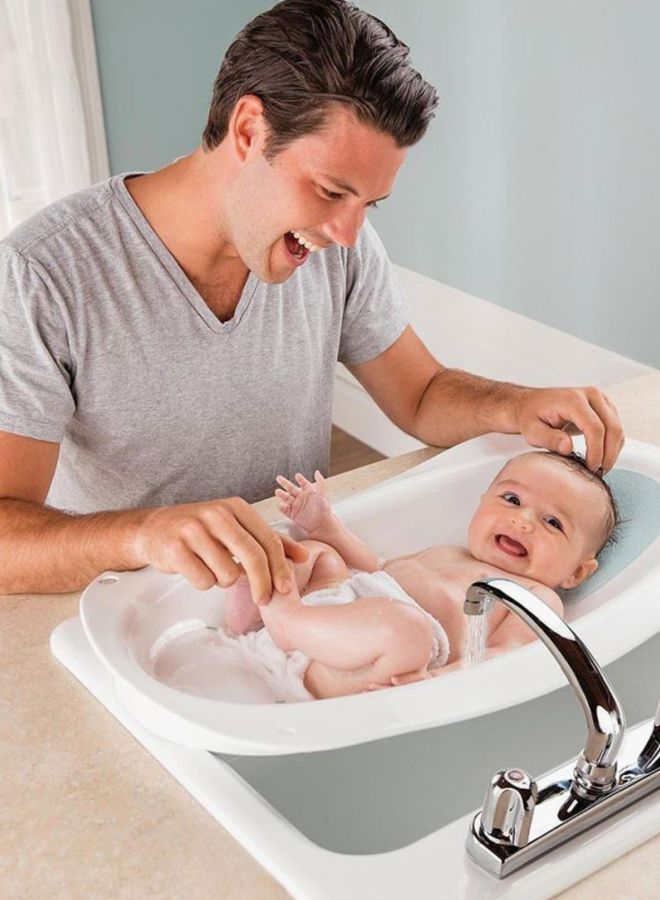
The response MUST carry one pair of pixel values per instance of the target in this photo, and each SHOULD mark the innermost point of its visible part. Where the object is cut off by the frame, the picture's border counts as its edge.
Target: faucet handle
(508, 807)
(649, 758)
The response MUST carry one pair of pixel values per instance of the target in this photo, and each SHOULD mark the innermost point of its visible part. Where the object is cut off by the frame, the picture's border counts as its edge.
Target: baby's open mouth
(509, 546)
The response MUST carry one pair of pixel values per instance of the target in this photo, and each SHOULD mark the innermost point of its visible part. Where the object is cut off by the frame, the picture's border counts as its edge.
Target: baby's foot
(305, 503)
(241, 612)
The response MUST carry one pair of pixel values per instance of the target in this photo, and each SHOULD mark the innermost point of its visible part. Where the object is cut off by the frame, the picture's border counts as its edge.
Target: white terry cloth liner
(158, 635)
(284, 671)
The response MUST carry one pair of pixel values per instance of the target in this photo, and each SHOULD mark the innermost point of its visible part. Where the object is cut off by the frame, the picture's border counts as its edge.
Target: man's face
(540, 520)
(320, 186)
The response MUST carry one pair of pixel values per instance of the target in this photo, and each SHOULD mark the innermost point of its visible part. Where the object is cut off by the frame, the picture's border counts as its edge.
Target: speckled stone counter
(86, 812)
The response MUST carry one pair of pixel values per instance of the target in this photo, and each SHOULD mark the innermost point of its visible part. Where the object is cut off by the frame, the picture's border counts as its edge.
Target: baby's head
(545, 517)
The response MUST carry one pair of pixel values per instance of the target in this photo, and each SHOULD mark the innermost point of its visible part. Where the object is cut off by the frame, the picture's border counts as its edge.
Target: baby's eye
(511, 498)
(554, 523)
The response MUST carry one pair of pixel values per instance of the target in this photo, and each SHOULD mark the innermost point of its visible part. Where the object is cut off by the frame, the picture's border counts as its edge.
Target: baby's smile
(510, 545)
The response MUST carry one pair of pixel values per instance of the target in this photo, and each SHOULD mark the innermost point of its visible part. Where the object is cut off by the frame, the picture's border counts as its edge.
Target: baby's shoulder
(549, 596)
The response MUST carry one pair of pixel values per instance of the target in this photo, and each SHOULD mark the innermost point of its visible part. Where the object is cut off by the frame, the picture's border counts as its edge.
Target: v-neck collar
(173, 268)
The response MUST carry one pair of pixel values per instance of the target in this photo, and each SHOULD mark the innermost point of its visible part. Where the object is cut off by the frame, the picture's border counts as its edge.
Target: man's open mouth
(510, 546)
(295, 248)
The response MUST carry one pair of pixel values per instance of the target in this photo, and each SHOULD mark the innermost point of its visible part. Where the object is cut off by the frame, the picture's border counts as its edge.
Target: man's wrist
(126, 534)
(508, 408)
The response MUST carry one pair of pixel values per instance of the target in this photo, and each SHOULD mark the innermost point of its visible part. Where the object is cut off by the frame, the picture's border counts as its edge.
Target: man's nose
(344, 226)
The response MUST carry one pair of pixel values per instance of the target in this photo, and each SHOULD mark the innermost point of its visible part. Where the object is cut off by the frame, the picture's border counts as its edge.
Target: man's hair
(612, 519)
(303, 56)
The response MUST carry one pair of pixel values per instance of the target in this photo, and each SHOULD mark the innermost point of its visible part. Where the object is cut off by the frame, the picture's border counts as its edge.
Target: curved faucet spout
(595, 771)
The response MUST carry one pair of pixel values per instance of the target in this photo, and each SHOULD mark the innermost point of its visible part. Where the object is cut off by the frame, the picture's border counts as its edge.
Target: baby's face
(540, 520)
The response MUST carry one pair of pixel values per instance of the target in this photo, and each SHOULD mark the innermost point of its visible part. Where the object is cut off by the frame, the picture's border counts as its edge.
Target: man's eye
(331, 195)
(555, 523)
(511, 498)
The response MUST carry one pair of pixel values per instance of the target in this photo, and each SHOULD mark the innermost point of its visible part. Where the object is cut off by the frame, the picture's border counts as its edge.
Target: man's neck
(175, 201)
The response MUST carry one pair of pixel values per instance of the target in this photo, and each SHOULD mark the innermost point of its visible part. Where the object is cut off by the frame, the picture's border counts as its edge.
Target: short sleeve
(35, 366)
(375, 313)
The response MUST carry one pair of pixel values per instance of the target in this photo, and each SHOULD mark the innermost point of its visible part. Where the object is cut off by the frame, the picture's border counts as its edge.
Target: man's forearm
(457, 406)
(44, 550)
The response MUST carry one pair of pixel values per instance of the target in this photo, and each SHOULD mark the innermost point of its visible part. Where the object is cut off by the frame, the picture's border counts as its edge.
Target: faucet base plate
(560, 813)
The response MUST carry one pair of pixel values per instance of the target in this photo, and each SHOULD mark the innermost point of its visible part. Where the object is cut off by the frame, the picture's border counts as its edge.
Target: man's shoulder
(35, 232)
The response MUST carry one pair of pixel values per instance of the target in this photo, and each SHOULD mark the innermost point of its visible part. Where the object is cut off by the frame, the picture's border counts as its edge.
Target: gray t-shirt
(108, 349)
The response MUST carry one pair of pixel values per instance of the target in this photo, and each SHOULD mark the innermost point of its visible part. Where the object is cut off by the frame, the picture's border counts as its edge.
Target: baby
(541, 522)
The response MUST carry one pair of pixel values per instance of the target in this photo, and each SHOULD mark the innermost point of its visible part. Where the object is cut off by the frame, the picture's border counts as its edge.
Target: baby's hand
(304, 503)
(420, 675)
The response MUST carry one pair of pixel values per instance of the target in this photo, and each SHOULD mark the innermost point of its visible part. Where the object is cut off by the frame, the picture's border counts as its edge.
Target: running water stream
(475, 643)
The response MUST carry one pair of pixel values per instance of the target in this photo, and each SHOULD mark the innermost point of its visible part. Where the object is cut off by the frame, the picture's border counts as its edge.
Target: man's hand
(545, 416)
(215, 542)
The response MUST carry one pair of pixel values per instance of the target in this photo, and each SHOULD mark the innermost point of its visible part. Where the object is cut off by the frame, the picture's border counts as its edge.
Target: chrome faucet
(522, 819)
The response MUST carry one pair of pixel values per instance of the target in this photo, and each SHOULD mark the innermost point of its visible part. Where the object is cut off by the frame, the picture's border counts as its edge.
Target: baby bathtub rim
(268, 728)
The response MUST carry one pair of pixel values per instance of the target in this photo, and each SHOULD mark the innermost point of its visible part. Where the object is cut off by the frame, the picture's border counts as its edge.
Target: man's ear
(247, 125)
(583, 571)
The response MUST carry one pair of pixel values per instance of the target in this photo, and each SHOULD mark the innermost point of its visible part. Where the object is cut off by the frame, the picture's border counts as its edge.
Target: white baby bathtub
(156, 634)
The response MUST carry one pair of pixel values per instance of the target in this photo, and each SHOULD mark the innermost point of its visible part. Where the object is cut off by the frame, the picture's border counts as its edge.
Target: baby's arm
(307, 505)
(509, 634)
(512, 632)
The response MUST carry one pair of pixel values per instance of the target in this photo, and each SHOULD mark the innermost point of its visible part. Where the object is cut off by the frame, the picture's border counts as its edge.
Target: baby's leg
(241, 613)
(353, 645)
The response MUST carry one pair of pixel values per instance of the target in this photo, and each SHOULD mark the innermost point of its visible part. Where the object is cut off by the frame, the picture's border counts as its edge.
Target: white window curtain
(44, 137)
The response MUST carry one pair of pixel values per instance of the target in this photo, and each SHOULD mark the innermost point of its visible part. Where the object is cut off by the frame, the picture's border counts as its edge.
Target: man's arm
(44, 550)
(443, 407)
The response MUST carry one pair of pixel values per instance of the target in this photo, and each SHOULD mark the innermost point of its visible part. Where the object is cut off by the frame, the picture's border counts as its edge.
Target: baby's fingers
(289, 486)
(410, 677)
(302, 481)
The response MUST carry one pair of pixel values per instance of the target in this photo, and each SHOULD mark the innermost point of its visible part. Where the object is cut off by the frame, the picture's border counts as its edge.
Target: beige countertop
(87, 812)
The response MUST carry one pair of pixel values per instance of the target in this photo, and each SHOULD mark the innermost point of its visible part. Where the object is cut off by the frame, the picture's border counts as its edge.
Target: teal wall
(157, 61)
(538, 185)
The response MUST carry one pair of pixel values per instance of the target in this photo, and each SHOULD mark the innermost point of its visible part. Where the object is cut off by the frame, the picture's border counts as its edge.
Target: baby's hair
(578, 464)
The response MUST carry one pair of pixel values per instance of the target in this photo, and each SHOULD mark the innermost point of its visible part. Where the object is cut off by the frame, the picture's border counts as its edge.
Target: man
(163, 335)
